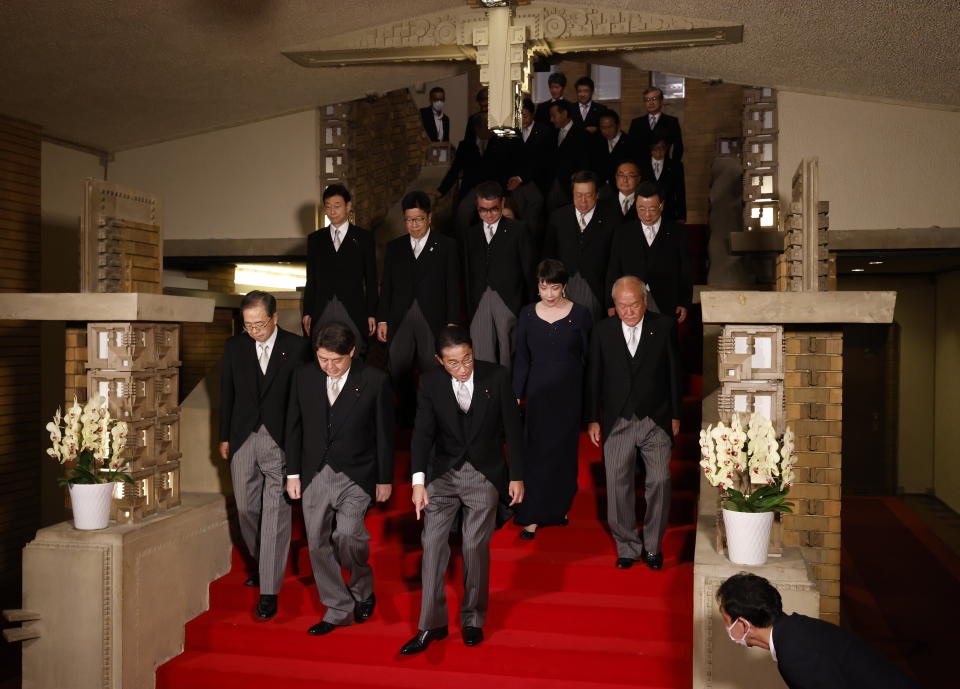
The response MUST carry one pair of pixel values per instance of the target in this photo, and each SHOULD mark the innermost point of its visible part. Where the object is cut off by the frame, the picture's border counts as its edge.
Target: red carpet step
(561, 615)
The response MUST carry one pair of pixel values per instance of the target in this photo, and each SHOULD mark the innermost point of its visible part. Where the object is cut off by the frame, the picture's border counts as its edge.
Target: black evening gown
(548, 374)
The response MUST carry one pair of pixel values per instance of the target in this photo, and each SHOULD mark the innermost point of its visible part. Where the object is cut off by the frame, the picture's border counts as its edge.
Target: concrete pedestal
(113, 603)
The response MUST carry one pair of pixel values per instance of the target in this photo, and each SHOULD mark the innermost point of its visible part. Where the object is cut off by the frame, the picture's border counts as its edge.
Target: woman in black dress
(552, 345)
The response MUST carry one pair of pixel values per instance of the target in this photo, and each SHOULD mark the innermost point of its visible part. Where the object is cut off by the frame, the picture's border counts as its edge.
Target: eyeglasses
(454, 365)
(485, 211)
(650, 99)
(415, 221)
(256, 327)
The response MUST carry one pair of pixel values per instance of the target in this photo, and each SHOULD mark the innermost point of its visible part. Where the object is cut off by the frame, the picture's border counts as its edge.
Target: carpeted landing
(561, 615)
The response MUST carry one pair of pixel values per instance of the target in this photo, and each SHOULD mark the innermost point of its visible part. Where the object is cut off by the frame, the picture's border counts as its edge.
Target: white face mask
(438, 105)
(742, 641)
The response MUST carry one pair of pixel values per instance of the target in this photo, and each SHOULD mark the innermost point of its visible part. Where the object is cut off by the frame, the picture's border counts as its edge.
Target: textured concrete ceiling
(121, 73)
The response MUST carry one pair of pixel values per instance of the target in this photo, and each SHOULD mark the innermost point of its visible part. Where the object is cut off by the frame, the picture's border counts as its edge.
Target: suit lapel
(479, 403)
(277, 358)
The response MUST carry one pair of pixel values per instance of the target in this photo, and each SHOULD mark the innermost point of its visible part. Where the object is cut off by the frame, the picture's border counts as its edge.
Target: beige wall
(881, 166)
(253, 181)
(915, 313)
(947, 394)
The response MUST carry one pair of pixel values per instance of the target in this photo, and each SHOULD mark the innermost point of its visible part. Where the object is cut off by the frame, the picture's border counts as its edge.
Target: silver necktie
(334, 390)
(463, 397)
(336, 240)
(626, 206)
(416, 248)
(583, 221)
(633, 340)
(489, 233)
(264, 357)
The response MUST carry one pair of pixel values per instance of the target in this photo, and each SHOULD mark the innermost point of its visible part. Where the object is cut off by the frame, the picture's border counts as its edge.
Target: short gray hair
(629, 280)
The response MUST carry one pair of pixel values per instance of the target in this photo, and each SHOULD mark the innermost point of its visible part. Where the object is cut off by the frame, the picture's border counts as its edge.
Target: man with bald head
(633, 405)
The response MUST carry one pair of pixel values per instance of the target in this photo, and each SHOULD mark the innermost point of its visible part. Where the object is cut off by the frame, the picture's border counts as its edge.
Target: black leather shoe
(653, 561)
(472, 636)
(267, 607)
(424, 637)
(252, 580)
(625, 562)
(364, 609)
(321, 628)
(527, 535)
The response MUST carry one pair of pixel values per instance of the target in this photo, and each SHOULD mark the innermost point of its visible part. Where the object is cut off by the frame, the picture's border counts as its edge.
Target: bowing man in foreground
(340, 426)
(633, 404)
(258, 365)
(465, 413)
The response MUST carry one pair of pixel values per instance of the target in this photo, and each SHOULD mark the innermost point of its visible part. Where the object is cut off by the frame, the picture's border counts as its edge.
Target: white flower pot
(748, 536)
(91, 505)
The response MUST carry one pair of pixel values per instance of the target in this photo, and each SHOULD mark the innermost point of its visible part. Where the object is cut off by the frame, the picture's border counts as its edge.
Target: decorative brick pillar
(813, 392)
(75, 371)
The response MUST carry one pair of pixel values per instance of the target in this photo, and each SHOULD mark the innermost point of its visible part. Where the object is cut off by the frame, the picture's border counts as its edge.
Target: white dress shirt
(438, 120)
(269, 345)
(419, 477)
(650, 231)
(632, 198)
(526, 132)
(585, 108)
(653, 120)
(342, 229)
(490, 229)
(564, 131)
(418, 244)
(627, 331)
(612, 143)
(657, 167)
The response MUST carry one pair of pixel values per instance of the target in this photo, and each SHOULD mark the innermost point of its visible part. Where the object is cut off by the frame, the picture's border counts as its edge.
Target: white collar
(626, 329)
(342, 380)
(343, 229)
(773, 650)
(565, 129)
(587, 217)
(623, 198)
(611, 143)
(655, 226)
(271, 341)
(494, 225)
(468, 382)
(422, 240)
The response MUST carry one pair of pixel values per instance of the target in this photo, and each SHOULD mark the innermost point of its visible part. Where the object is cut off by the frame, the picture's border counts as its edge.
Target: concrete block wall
(813, 393)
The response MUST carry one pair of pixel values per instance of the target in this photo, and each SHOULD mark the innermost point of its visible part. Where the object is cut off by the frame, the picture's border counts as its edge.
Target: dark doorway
(869, 409)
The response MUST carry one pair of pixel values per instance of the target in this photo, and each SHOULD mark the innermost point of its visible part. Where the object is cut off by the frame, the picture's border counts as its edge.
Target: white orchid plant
(753, 468)
(89, 442)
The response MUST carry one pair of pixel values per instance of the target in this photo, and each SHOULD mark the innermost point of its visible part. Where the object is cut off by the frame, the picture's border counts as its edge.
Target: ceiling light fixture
(856, 270)
(874, 263)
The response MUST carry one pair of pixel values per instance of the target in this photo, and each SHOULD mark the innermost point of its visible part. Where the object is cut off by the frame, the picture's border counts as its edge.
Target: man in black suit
(479, 158)
(643, 128)
(579, 236)
(656, 250)
(340, 427)
(810, 653)
(529, 187)
(498, 275)
(465, 413)
(611, 148)
(570, 154)
(622, 206)
(341, 271)
(257, 367)
(420, 291)
(633, 405)
(586, 111)
(668, 175)
(556, 82)
(435, 123)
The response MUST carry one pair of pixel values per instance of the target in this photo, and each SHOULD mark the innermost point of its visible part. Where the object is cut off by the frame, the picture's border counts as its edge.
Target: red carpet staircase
(561, 615)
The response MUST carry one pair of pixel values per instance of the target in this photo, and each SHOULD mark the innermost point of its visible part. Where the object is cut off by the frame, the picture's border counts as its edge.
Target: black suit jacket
(671, 183)
(535, 154)
(652, 380)
(505, 264)
(433, 280)
(499, 162)
(355, 436)
(350, 274)
(604, 162)
(813, 654)
(612, 208)
(430, 124)
(586, 252)
(444, 438)
(642, 135)
(593, 114)
(248, 397)
(664, 266)
(542, 113)
(571, 156)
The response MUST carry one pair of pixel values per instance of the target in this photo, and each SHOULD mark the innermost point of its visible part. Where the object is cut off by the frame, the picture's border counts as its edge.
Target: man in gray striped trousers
(633, 395)
(465, 413)
(255, 383)
(340, 429)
